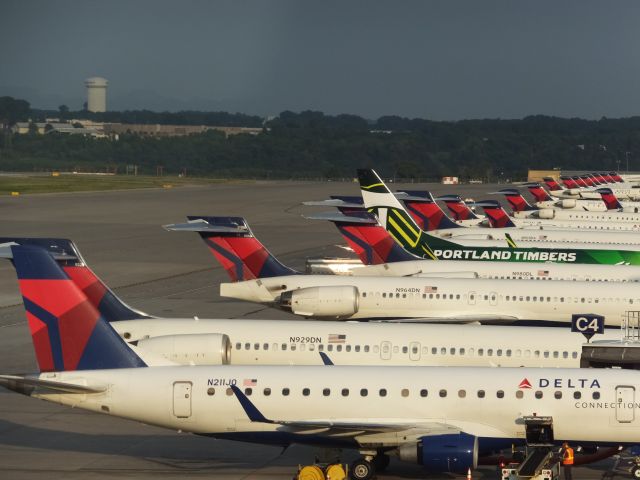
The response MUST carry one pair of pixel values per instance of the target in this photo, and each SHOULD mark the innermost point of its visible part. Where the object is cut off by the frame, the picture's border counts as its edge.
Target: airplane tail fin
(68, 256)
(371, 242)
(68, 333)
(425, 211)
(551, 183)
(517, 202)
(616, 177)
(538, 192)
(233, 244)
(458, 208)
(497, 216)
(569, 182)
(609, 198)
(588, 180)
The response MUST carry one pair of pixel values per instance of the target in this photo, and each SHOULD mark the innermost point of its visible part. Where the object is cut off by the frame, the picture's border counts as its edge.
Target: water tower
(96, 94)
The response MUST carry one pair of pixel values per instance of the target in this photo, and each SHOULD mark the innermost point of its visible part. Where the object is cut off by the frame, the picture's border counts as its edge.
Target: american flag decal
(430, 289)
(337, 338)
(250, 382)
(543, 273)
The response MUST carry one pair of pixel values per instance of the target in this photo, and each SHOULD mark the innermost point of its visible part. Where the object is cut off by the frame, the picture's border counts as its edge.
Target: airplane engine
(191, 349)
(568, 203)
(546, 213)
(330, 302)
(448, 453)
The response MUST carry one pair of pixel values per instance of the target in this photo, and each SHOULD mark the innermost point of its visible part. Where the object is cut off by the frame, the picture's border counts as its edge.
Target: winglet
(249, 408)
(325, 359)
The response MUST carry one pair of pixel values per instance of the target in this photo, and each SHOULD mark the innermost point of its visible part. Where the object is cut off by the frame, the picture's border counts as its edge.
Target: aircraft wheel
(635, 472)
(381, 462)
(362, 470)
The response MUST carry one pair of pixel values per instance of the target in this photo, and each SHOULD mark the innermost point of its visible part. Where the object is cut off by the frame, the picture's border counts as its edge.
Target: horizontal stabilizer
(26, 385)
(363, 218)
(202, 225)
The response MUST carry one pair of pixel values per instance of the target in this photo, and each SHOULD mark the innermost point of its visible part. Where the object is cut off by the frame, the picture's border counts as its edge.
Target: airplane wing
(23, 384)
(353, 426)
(471, 318)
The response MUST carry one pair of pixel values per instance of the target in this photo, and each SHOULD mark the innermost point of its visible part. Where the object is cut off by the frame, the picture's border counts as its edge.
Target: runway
(165, 274)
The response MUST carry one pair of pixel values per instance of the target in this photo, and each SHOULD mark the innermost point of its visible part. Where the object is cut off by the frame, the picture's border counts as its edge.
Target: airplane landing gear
(362, 469)
(381, 462)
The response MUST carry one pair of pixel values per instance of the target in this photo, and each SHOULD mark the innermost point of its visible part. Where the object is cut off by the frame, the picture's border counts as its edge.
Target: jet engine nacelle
(448, 453)
(546, 213)
(330, 302)
(568, 203)
(191, 349)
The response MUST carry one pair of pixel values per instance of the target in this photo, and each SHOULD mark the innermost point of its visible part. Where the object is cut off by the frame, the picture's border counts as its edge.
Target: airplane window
(462, 350)
(582, 300)
(326, 392)
(437, 295)
(284, 346)
(480, 393)
(442, 393)
(561, 299)
(507, 298)
(364, 392)
(555, 354)
(364, 294)
(499, 352)
(345, 392)
(452, 351)
(404, 392)
(247, 346)
(211, 391)
(538, 394)
(472, 297)
(548, 299)
(519, 394)
(266, 392)
(312, 347)
(462, 393)
(415, 349)
(486, 297)
(574, 354)
(265, 346)
(285, 392)
(424, 295)
(443, 351)
(256, 346)
(521, 299)
(528, 298)
(384, 295)
(424, 392)
(434, 351)
(536, 353)
(546, 354)
(597, 300)
(293, 347)
(500, 394)
(431, 296)
(405, 349)
(238, 346)
(595, 395)
(397, 295)
(229, 392)
(508, 353)
(404, 295)
(366, 349)
(339, 348)
(248, 391)
(480, 352)
(458, 296)
(348, 348)
(451, 296)
(577, 395)
(489, 352)
(535, 299)
(557, 395)
(306, 392)
(330, 348)
(383, 392)
(320, 347)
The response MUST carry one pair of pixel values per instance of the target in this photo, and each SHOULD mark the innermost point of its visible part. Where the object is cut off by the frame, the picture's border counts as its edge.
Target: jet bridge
(623, 353)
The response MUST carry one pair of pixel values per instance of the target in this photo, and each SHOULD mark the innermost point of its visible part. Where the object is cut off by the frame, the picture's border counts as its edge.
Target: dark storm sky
(433, 59)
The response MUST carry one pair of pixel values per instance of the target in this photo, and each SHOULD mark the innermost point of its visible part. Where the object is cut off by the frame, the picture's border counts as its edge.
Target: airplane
(196, 341)
(441, 418)
(584, 187)
(257, 276)
(392, 215)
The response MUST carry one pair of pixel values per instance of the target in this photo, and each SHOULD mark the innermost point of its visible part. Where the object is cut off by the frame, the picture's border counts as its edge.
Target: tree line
(311, 144)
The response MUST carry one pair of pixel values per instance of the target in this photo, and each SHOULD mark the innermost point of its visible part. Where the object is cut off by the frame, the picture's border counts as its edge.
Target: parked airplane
(257, 276)
(392, 215)
(195, 341)
(433, 421)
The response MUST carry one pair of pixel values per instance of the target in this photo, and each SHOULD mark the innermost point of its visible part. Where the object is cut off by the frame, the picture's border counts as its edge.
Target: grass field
(25, 184)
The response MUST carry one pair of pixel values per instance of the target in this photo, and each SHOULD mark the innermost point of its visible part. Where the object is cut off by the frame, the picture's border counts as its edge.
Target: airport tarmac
(165, 274)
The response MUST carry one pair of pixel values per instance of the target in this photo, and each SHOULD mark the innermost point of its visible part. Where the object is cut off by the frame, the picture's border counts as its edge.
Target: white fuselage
(610, 218)
(455, 299)
(283, 342)
(412, 401)
(546, 237)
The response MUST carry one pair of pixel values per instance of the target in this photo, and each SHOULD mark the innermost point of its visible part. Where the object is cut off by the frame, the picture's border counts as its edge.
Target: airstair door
(414, 351)
(625, 404)
(182, 399)
(385, 350)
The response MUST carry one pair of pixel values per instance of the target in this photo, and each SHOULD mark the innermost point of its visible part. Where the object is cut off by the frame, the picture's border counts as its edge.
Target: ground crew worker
(567, 460)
